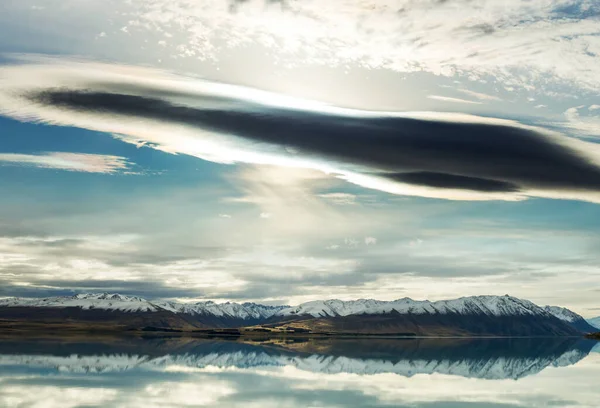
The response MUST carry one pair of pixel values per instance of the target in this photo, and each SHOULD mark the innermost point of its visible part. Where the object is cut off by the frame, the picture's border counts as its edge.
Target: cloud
(340, 198)
(453, 100)
(211, 262)
(438, 155)
(441, 180)
(370, 241)
(292, 195)
(479, 95)
(89, 163)
(586, 124)
(520, 43)
(415, 242)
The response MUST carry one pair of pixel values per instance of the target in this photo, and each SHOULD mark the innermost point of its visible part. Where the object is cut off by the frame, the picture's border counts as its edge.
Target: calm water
(331, 373)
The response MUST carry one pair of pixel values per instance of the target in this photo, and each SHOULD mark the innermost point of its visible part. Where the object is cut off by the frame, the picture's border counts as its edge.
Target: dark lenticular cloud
(441, 180)
(483, 157)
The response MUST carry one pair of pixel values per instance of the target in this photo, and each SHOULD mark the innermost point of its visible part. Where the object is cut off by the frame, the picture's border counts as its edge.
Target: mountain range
(476, 315)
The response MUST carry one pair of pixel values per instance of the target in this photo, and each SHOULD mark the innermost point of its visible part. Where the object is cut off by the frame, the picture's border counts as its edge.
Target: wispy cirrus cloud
(340, 198)
(479, 95)
(407, 153)
(453, 100)
(83, 162)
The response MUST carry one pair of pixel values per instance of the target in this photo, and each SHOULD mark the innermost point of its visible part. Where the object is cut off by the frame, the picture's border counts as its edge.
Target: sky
(282, 151)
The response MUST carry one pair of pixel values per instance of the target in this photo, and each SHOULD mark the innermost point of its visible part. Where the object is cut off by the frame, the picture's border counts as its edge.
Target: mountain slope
(572, 318)
(223, 315)
(481, 315)
(432, 324)
(71, 318)
(595, 322)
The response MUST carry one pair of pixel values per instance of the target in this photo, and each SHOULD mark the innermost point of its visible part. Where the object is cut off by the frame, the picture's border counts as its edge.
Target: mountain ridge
(571, 317)
(486, 304)
(595, 322)
(481, 315)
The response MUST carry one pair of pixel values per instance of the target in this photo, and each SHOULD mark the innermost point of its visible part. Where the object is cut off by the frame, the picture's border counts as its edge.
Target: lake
(365, 372)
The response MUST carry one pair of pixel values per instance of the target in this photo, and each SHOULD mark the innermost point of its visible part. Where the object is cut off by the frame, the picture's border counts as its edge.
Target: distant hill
(595, 322)
(572, 318)
(468, 316)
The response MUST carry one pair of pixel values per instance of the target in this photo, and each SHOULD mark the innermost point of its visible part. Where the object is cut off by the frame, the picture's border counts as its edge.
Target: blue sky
(288, 151)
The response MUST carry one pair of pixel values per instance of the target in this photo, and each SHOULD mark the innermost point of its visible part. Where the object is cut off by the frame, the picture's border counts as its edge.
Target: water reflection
(133, 372)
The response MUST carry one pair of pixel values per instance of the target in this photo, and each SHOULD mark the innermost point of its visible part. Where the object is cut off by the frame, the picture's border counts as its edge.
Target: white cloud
(181, 394)
(19, 395)
(339, 198)
(453, 100)
(292, 195)
(224, 216)
(351, 242)
(415, 242)
(587, 125)
(370, 241)
(86, 259)
(520, 43)
(479, 95)
(89, 163)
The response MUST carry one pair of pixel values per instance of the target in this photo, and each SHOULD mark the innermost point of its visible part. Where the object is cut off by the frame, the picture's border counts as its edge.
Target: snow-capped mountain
(570, 317)
(563, 313)
(595, 322)
(475, 315)
(105, 301)
(123, 303)
(484, 315)
(486, 305)
(228, 309)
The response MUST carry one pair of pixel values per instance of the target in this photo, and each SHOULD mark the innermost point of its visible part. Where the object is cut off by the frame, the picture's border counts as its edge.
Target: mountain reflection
(491, 359)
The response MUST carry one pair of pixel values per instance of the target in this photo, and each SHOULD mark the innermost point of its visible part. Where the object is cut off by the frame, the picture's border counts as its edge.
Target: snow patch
(563, 314)
(478, 305)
